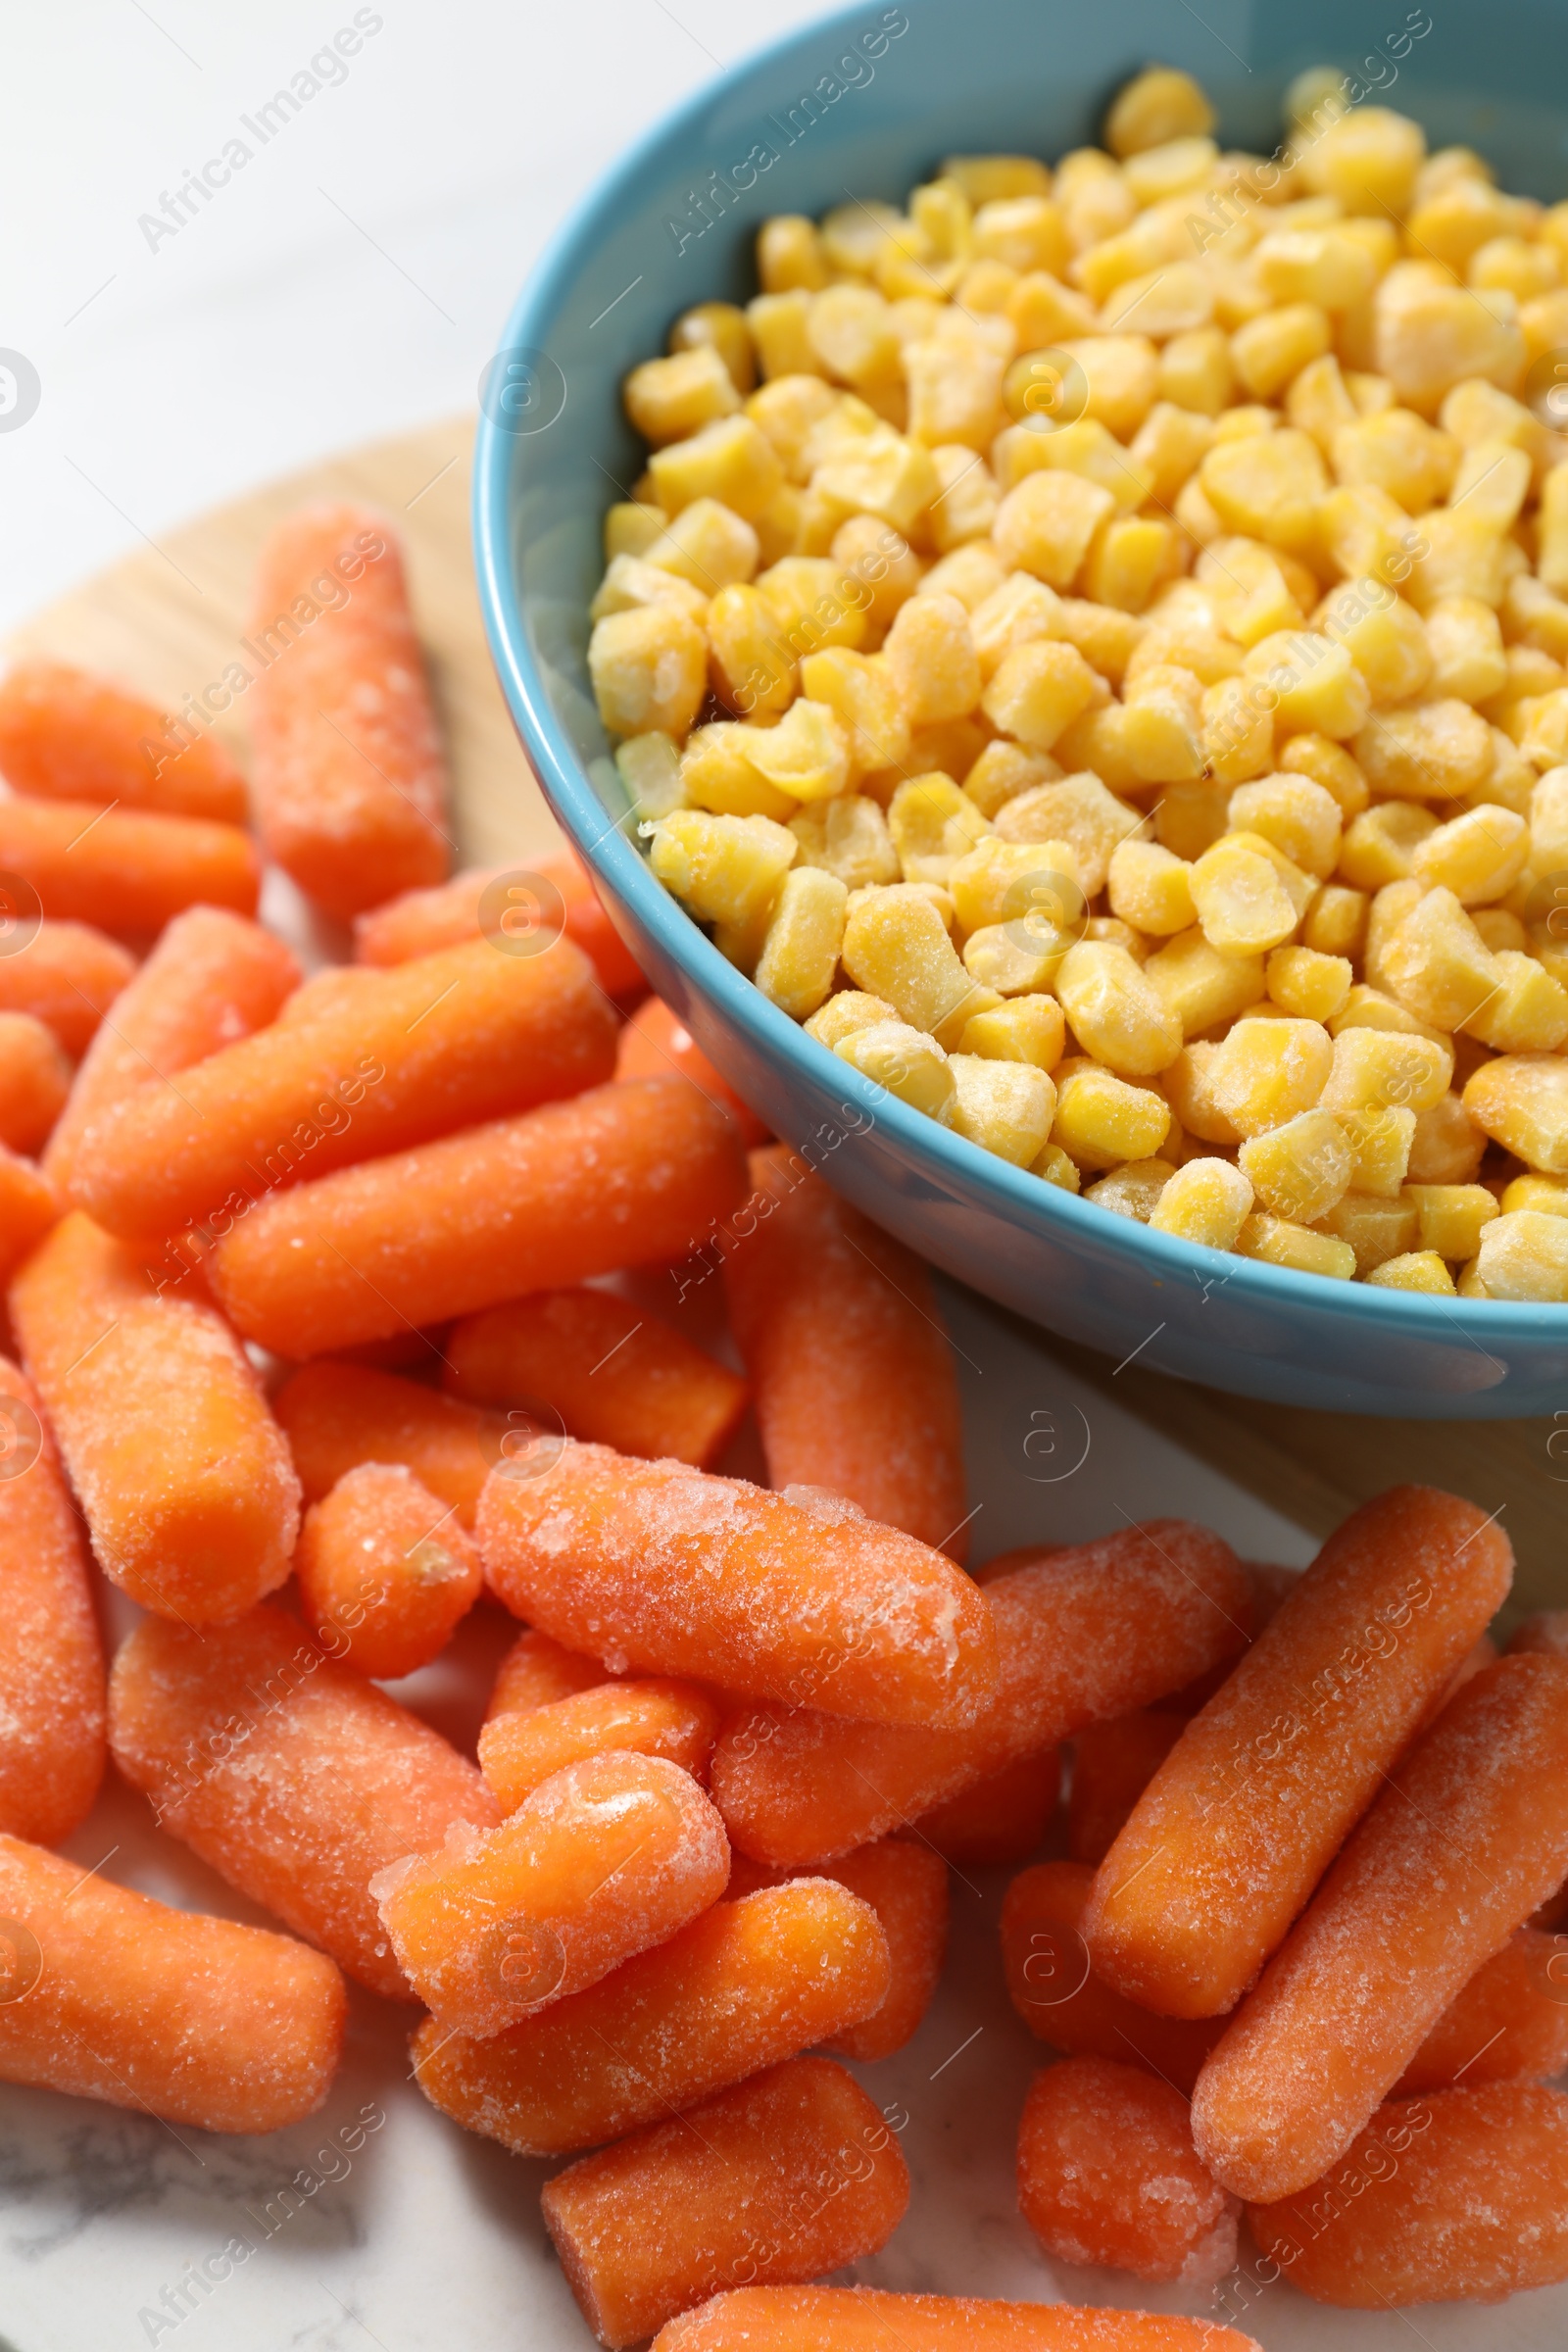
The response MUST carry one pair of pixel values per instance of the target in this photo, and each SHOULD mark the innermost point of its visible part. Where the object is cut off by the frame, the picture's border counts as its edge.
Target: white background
(349, 281)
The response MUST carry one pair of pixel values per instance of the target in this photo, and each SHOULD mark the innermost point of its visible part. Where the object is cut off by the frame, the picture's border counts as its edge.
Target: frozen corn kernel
(849, 838)
(631, 526)
(648, 668)
(992, 882)
(1432, 751)
(1279, 1242)
(669, 398)
(722, 325)
(1312, 985)
(715, 773)
(1205, 1201)
(805, 755)
(1115, 1011)
(1543, 1192)
(1266, 1071)
(1375, 1229)
(1159, 105)
(931, 653)
(1373, 1066)
(1201, 985)
(1528, 1012)
(1381, 845)
(842, 1015)
(1302, 1168)
(1044, 526)
(1243, 904)
(1452, 1216)
(629, 583)
(1101, 1120)
(1272, 349)
(708, 546)
(801, 947)
(789, 254)
(933, 825)
(1300, 817)
(724, 870)
(1038, 690)
(1447, 1147)
(1479, 855)
(1133, 1190)
(1266, 486)
(1054, 1167)
(1384, 636)
(1031, 1028)
(1524, 1255)
(1004, 1106)
(1078, 811)
(731, 461)
(1416, 1270)
(1380, 1141)
(1150, 888)
(1317, 685)
(1468, 661)
(650, 766)
(909, 1064)
(1335, 921)
(1437, 963)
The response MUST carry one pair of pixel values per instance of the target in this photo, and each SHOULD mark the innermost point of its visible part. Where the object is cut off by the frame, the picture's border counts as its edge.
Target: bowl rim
(949, 1159)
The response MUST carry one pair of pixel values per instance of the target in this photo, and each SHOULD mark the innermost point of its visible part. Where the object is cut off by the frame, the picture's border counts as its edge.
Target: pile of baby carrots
(317, 1340)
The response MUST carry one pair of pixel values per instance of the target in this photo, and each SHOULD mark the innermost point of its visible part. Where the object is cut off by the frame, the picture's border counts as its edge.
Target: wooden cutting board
(168, 619)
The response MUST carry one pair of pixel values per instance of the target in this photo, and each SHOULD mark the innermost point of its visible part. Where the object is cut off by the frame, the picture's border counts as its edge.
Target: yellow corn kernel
(1511, 782)
(990, 882)
(1364, 534)
(933, 824)
(1080, 812)
(1382, 843)
(1430, 336)
(931, 655)
(1186, 1087)
(1371, 1007)
(1121, 377)
(1238, 731)
(715, 773)
(903, 1060)
(951, 745)
(895, 946)
(1433, 751)
(1306, 984)
(667, 400)
(965, 507)
(1384, 636)
(1549, 825)
(1151, 889)
(1499, 929)
(1367, 157)
(1334, 923)
(1176, 299)
(630, 582)
(1003, 771)
(1046, 524)
(1107, 639)
(631, 529)
(991, 178)
(1492, 484)
(1319, 401)
(1026, 233)
(1376, 1066)
(732, 461)
(1201, 985)
(1323, 267)
(1160, 731)
(842, 1015)
(1318, 688)
(1419, 1270)
(1190, 817)
(1037, 691)
(1028, 1029)
(848, 837)
(1265, 1071)
(1244, 905)
(1543, 1192)
(723, 869)
(1400, 453)
(1112, 932)
(1277, 1242)
(1479, 855)
(1524, 1255)
(805, 755)
(1004, 1106)
(708, 546)
(955, 392)
(1468, 661)
(801, 947)
(970, 574)
(1452, 1216)
(1543, 732)
(649, 766)
(879, 566)
(1173, 641)
(1300, 817)
(789, 254)
(786, 409)
(1169, 446)
(1097, 742)
(1553, 561)
(1133, 1190)
(882, 475)
(753, 668)
(1103, 1121)
(1376, 1229)
(1266, 486)
(816, 602)
(1018, 958)
(1155, 107)
(1380, 1140)
(1207, 1200)
(1115, 1014)
(1299, 1169)
(1386, 911)
(1129, 558)
(1521, 1101)
(1272, 349)
(1056, 1168)
(1447, 1147)
(852, 335)
(1195, 372)
(1018, 612)
(861, 693)
(1529, 1015)
(1460, 553)
(648, 668)
(1520, 269)
(1437, 963)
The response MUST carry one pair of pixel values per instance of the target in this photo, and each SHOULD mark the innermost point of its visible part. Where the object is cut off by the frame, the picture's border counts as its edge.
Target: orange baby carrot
(610, 1372)
(1000, 1820)
(1468, 1838)
(781, 2179)
(853, 1375)
(1107, 2174)
(1459, 2197)
(518, 905)
(213, 978)
(1237, 1826)
(110, 1995)
(604, 1860)
(1113, 1764)
(521, 1748)
(907, 1886)
(67, 977)
(28, 1207)
(337, 1416)
(65, 735)
(348, 779)
(1086, 1634)
(51, 1659)
(183, 1474)
(655, 1044)
(745, 1986)
(623, 1175)
(380, 1555)
(125, 874)
(537, 1671)
(1060, 1997)
(295, 1778)
(466, 1036)
(1511, 2020)
(329, 991)
(34, 1081)
(863, 2318)
(660, 1567)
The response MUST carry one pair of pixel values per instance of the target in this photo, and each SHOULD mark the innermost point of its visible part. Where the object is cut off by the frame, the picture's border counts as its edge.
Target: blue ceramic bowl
(862, 104)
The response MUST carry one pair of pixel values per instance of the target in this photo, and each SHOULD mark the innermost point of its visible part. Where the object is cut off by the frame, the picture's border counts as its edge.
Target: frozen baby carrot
(745, 1986)
(1000, 1820)
(1061, 1999)
(28, 1207)
(466, 1036)
(212, 979)
(612, 1372)
(781, 2179)
(853, 1375)
(295, 1778)
(1460, 2197)
(383, 1546)
(1113, 1764)
(34, 1081)
(348, 779)
(603, 1860)
(657, 1566)
(1087, 1634)
(537, 1671)
(1511, 2020)
(183, 1474)
(519, 1749)
(110, 1995)
(1237, 1826)
(863, 2318)
(1107, 2174)
(125, 874)
(518, 905)
(653, 1044)
(624, 1175)
(1469, 1837)
(329, 991)
(907, 1886)
(51, 1659)
(67, 977)
(65, 735)
(337, 1416)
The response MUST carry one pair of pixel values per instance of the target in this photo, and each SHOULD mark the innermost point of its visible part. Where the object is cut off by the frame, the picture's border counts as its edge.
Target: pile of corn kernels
(1092, 647)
